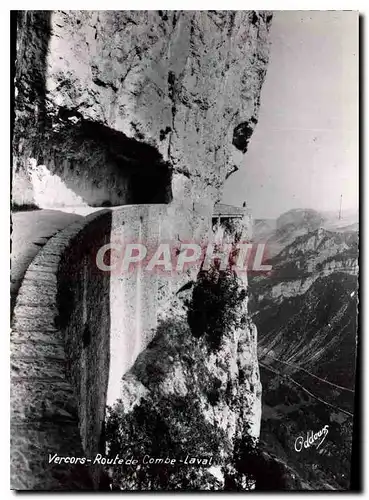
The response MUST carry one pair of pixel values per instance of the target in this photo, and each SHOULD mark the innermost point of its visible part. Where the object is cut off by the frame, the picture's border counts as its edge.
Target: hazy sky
(304, 151)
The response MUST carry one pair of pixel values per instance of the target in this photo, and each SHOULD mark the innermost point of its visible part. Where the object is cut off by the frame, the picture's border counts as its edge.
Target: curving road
(30, 231)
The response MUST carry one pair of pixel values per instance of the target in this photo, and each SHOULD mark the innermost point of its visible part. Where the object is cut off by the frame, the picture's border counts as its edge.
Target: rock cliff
(116, 107)
(194, 392)
(129, 108)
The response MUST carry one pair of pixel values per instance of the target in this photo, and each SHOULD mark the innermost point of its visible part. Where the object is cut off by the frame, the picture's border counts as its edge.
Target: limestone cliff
(155, 107)
(194, 392)
(116, 107)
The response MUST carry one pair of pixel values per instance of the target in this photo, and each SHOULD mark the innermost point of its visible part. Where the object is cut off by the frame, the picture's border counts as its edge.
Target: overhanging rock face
(109, 102)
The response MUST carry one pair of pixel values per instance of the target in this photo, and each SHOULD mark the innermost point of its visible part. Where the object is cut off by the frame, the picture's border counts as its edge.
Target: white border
(5, 177)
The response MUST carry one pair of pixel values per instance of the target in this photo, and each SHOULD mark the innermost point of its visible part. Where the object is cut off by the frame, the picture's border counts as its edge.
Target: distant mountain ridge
(280, 232)
(310, 256)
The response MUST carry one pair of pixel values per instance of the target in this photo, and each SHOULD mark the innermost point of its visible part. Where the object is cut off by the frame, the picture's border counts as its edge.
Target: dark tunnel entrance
(151, 186)
(83, 161)
(104, 167)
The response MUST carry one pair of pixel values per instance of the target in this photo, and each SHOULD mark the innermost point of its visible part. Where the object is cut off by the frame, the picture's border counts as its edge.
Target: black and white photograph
(184, 250)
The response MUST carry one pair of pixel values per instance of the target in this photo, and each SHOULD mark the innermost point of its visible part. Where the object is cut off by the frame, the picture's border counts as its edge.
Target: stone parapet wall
(77, 330)
(44, 402)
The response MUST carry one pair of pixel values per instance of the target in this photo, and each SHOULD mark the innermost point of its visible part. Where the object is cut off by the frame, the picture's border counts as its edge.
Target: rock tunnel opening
(99, 166)
(63, 157)
(151, 187)
(148, 177)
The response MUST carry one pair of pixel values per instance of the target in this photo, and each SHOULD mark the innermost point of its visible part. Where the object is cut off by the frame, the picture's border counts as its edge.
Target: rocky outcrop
(194, 392)
(149, 109)
(116, 107)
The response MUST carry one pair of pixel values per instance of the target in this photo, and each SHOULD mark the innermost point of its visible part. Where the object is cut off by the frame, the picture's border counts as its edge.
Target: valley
(305, 310)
